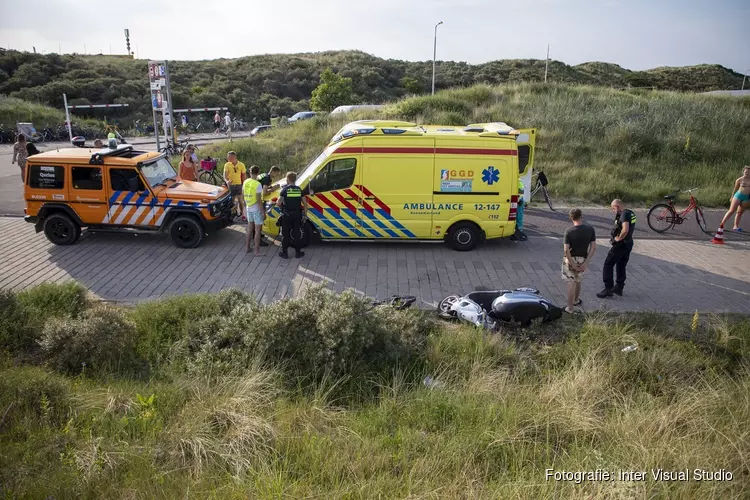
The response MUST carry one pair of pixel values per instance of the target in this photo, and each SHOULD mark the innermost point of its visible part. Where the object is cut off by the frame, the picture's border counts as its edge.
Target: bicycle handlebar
(691, 190)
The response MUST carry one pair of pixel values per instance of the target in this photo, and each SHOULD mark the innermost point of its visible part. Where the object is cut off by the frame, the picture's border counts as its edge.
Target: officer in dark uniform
(292, 201)
(619, 254)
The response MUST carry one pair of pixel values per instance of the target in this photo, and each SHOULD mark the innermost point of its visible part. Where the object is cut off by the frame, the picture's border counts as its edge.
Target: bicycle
(174, 149)
(210, 175)
(663, 216)
(113, 129)
(540, 185)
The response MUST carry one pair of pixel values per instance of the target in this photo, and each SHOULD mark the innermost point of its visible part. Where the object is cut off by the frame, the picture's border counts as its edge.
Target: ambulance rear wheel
(463, 236)
(186, 232)
(61, 230)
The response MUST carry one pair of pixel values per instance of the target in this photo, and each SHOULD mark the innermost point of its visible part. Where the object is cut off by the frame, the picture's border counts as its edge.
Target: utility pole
(434, 57)
(127, 40)
(546, 65)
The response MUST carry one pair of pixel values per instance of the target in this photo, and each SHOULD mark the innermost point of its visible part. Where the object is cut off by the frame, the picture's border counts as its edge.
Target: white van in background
(358, 107)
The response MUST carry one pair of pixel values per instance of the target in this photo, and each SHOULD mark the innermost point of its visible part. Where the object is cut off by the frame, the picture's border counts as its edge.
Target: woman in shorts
(740, 200)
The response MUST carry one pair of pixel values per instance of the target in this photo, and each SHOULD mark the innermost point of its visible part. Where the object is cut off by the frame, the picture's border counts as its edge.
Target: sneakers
(607, 292)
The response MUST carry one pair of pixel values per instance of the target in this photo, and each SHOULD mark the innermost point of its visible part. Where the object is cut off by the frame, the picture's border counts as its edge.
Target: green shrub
(101, 340)
(315, 334)
(50, 300)
(15, 334)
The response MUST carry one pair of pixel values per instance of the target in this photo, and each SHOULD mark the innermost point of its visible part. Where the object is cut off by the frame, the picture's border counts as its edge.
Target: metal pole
(67, 118)
(546, 65)
(156, 126)
(169, 102)
(434, 57)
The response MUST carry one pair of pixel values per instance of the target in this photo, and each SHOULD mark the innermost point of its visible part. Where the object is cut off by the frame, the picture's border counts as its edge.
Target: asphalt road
(11, 197)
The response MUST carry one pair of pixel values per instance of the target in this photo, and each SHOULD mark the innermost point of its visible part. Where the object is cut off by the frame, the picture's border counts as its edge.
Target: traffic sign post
(161, 98)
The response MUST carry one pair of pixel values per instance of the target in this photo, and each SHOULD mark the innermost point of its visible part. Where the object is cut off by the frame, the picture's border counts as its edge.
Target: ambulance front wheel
(463, 236)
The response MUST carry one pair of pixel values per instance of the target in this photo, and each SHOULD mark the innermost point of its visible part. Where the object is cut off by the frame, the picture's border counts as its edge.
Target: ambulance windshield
(313, 166)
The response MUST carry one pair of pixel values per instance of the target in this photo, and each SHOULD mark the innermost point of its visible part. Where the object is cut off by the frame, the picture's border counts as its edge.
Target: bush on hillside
(15, 334)
(161, 323)
(50, 300)
(317, 333)
(101, 340)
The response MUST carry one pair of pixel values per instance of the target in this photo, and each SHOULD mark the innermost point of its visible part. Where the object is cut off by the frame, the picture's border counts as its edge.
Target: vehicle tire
(61, 229)
(701, 220)
(444, 307)
(186, 231)
(463, 236)
(661, 217)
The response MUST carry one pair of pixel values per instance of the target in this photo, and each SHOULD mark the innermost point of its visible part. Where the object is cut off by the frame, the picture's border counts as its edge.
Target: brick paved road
(664, 274)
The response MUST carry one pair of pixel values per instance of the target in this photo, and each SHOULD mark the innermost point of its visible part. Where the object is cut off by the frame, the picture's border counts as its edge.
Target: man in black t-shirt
(619, 254)
(293, 205)
(579, 244)
(267, 179)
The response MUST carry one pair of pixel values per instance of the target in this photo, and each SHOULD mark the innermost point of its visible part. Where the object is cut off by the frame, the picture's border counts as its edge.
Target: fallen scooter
(491, 309)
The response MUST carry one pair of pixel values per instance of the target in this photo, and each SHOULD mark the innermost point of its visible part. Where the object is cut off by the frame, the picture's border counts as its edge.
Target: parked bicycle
(174, 149)
(8, 136)
(663, 216)
(539, 182)
(209, 174)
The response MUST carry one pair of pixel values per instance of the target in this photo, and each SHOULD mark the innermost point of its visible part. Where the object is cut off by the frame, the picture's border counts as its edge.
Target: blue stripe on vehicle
(344, 222)
(140, 200)
(180, 203)
(395, 223)
(114, 197)
(127, 198)
(167, 203)
(154, 201)
(380, 224)
(364, 225)
(328, 223)
(325, 233)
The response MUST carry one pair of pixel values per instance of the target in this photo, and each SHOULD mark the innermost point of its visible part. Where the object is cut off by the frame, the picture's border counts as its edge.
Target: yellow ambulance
(398, 180)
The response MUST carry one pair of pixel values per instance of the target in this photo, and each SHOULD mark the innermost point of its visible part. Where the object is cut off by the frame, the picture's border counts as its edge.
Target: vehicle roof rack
(98, 157)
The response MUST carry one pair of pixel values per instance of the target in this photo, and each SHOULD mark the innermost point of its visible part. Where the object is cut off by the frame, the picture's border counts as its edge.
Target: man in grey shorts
(579, 244)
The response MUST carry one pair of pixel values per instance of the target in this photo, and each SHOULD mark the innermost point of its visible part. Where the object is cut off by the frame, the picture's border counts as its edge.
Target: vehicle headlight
(213, 208)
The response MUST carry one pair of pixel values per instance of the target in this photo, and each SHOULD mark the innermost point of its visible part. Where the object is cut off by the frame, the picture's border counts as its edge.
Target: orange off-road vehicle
(119, 189)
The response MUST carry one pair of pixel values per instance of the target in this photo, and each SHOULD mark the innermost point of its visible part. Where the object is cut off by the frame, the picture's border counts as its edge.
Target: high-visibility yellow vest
(249, 188)
(521, 187)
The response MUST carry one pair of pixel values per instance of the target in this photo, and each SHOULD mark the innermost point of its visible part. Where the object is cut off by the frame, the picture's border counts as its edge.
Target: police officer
(292, 202)
(619, 254)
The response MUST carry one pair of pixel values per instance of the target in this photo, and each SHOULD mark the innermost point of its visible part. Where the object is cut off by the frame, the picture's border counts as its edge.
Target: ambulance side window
(524, 154)
(337, 174)
(125, 179)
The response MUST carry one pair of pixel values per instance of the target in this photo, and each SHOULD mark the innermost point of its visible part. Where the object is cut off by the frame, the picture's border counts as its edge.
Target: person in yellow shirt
(234, 175)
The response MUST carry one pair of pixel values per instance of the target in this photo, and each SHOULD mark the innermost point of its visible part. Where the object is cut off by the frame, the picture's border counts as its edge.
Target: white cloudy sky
(637, 34)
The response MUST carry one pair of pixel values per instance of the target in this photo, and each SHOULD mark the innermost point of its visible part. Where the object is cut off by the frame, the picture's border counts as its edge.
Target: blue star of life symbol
(490, 175)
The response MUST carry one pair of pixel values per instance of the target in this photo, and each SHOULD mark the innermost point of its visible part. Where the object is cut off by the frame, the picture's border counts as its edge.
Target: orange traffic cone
(719, 238)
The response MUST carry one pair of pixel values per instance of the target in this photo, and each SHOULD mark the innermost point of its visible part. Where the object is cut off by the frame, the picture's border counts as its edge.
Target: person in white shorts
(252, 191)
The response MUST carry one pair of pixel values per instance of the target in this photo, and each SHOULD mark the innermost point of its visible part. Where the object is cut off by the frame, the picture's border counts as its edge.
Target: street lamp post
(434, 56)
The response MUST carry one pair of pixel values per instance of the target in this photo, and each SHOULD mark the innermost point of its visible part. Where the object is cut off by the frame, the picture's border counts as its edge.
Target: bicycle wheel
(661, 217)
(547, 198)
(701, 220)
(206, 177)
